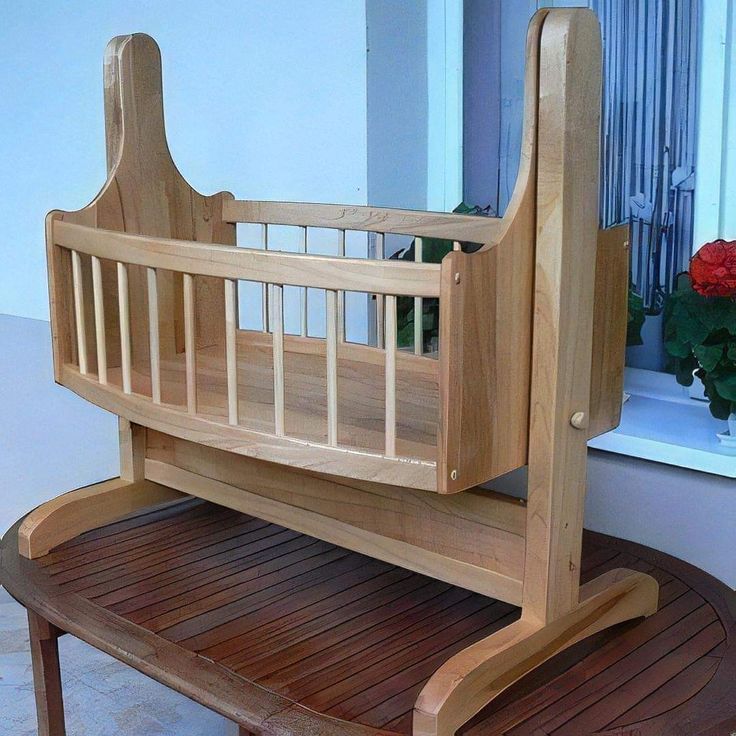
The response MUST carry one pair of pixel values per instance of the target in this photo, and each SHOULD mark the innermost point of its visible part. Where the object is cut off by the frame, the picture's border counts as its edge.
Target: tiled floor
(102, 696)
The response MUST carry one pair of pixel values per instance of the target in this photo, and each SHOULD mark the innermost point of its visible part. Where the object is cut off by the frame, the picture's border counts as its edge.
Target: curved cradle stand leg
(87, 508)
(472, 678)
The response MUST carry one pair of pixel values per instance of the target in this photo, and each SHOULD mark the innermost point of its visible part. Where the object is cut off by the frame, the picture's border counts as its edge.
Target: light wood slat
(190, 344)
(380, 302)
(418, 331)
(293, 269)
(98, 296)
(341, 294)
(456, 246)
(278, 358)
(78, 288)
(153, 335)
(124, 312)
(390, 376)
(331, 350)
(304, 313)
(264, 287)
(231, 326)
(450, 226)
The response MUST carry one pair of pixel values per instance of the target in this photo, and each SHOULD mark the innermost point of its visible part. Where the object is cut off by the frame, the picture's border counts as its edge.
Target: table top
(286, 634)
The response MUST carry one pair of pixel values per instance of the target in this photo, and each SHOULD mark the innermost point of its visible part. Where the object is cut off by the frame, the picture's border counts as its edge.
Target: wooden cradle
(369, 447)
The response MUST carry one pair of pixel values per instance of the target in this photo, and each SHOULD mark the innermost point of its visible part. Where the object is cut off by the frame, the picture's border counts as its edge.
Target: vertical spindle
(98, 295)
(78, 288)
(418, 327)
(380, 299)
(331, 330)
(341, 294)
(153, 335)
(190, 355)
(264, 287)
(390, 353)
(231, 358)
(278, 358)
(124, 314)
(304, 306)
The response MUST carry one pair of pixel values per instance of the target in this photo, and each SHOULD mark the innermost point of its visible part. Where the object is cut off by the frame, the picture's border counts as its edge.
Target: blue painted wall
(265, 98)
(494, 57)
(397, 103)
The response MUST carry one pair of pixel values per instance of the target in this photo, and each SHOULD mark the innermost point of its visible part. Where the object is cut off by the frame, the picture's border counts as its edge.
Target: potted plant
(635, 318)
(700, 329)
(433, 251)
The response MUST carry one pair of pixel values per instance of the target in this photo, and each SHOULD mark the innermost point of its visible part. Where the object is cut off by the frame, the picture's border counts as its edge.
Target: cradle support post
(556, 611)
(132, 439)
(567, 225)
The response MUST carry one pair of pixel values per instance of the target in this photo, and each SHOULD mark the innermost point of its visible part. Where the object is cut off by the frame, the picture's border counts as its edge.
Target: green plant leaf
(720, 407)
(677, 348)
(702, 330)
(684, 370)
(708, 356)
(726, 385)
(635, 320)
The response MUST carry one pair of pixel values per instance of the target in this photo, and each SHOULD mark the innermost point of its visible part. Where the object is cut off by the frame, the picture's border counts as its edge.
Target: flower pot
(728, 439)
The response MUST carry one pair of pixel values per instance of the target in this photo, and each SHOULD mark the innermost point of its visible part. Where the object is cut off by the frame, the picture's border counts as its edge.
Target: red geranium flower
(713, 269)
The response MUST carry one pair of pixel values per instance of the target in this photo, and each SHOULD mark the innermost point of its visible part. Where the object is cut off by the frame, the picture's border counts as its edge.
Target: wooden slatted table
(284, 633)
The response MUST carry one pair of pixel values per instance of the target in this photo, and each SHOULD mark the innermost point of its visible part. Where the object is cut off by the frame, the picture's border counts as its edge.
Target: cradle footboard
(309, 402)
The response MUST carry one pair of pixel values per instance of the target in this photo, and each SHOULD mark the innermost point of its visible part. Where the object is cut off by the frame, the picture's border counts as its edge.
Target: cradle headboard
(146, 195)
(136, 274)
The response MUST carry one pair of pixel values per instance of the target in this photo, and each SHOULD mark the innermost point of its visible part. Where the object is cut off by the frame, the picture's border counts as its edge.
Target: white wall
(266, 98)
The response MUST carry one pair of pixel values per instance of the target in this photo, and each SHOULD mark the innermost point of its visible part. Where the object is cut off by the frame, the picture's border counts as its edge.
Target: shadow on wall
(54, 441)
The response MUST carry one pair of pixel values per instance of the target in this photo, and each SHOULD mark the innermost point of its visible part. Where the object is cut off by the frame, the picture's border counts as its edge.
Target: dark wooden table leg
(46, 675)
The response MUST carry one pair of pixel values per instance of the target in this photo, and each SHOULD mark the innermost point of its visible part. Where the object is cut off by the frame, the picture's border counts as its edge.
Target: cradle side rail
(132, 386)
(130, 382)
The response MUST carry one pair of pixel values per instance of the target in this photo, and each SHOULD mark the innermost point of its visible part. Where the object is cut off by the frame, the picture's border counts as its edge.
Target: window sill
(660, 422)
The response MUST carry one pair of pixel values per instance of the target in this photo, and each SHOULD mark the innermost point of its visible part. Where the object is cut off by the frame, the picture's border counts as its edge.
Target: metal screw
(457, 278)
(453, 475)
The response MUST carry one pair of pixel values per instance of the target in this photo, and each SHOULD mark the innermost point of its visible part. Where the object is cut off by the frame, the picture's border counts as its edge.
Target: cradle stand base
(471, 677)
(474, 677)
